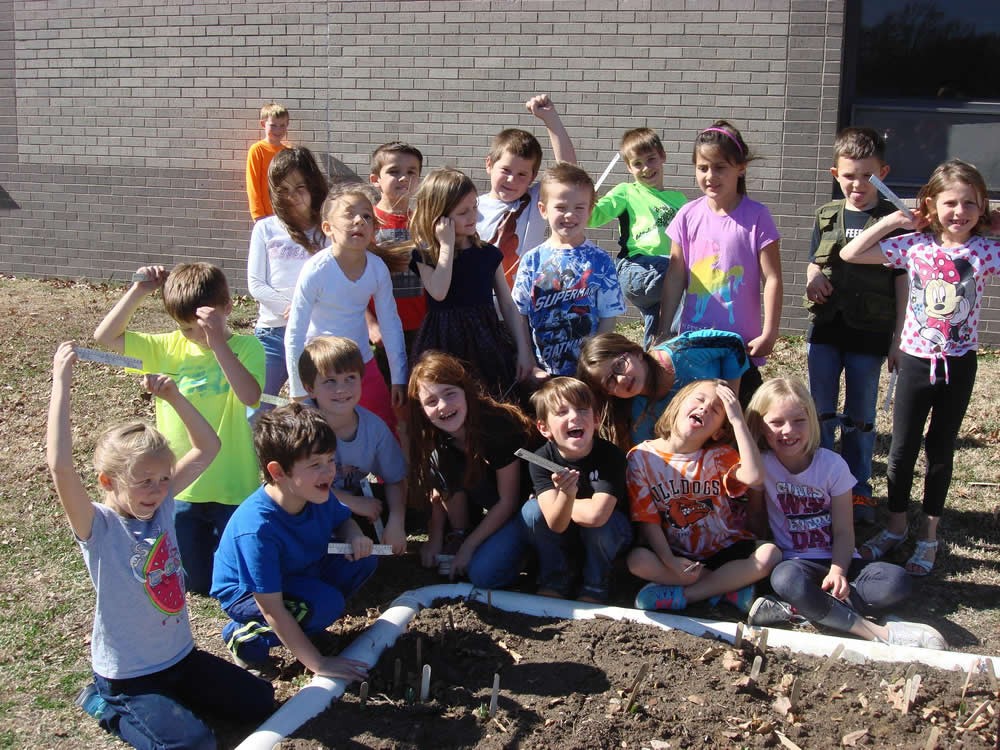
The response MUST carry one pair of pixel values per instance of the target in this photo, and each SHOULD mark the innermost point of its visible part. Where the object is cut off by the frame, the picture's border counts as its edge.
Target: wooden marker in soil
(495, 696)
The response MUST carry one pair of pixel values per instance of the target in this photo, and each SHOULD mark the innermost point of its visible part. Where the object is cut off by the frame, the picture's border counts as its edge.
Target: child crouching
(582, 508)
(273, 574)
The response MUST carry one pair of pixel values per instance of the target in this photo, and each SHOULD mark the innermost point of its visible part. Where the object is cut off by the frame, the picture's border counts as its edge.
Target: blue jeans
(499, 560)
(158, 710)
(641, 280)
(316, 601)
(275, 373)
(875, 587)
(199, 528)
(857, 423)
(599, 545)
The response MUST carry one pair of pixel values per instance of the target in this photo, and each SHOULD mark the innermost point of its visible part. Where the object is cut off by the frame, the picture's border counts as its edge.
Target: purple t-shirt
(722, 258)
(798, 505)
(946, 291)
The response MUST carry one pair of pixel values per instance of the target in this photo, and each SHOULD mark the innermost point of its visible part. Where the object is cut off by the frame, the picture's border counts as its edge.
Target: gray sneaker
(915, 634)
(766, 610)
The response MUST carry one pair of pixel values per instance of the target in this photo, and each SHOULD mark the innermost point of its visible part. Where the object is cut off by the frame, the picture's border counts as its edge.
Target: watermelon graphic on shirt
(164, 577)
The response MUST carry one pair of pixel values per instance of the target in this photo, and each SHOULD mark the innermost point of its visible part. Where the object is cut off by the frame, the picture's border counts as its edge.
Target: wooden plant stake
(834, 655)
(495, 696)
(911, 687)
(364, 694)
(425, 684)
(991, 672)
(932, 739)
(451, 620)
(794, 693)
(976, 714)
(755, 669)
(397, 673)
(973, 668)
(636, 684)
(910, 671)
(738, 638)
(762, 641)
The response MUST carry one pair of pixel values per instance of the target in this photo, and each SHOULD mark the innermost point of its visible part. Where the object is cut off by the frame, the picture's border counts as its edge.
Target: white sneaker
(915, 634)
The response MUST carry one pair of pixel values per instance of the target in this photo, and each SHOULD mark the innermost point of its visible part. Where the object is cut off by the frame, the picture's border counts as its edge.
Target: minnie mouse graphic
(945, 290)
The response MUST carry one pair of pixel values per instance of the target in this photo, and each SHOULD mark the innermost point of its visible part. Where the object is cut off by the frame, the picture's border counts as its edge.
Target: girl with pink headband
(724, 254)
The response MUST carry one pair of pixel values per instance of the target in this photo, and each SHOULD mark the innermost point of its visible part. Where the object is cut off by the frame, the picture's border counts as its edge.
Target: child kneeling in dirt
(150, 681)
(584, 507)
(273, 574)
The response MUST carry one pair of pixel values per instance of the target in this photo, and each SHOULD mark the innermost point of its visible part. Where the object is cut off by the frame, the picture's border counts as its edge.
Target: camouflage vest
(864, 295)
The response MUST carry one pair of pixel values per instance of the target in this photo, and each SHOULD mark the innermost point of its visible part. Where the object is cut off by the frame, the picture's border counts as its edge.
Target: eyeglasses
(618, 368)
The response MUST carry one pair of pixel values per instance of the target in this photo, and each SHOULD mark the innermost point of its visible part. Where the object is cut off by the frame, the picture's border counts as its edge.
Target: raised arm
(110, 332)
(751, 468)
(541, 106)
(205, 443)
(213, 321)
(437, 280)
(59, 446)
(865, 247)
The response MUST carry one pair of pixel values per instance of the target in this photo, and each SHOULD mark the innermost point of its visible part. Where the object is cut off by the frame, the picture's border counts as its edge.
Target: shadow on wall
(6, 201)
(337, 170)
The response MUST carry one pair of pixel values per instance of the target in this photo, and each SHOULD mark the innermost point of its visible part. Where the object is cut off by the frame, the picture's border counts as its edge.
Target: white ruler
(108, 358)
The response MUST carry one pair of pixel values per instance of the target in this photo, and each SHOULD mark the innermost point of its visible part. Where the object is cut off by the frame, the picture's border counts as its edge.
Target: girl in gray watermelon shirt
(149, 679)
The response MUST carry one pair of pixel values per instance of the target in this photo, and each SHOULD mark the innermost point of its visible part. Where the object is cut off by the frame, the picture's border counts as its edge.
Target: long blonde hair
(437, 196)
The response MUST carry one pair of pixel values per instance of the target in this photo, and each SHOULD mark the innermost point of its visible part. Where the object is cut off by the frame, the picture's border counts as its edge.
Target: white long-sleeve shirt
(274, 263)
(327, 303)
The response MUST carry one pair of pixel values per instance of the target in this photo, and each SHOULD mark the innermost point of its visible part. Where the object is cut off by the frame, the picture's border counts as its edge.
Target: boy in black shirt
(583, 509)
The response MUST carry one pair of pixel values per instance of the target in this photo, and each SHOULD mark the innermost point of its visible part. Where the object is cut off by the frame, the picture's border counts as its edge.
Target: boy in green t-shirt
(644, 210)
(220, 373)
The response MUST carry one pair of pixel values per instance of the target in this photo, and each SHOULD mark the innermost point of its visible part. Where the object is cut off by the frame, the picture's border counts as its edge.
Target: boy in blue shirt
(273, 574)
(566, 289)
(644, 211)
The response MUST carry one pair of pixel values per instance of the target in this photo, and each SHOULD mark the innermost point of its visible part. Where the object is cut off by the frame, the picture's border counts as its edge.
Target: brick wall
(126, 125)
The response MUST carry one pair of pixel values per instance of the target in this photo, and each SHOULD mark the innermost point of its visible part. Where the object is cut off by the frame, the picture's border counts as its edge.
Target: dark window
(925, 74)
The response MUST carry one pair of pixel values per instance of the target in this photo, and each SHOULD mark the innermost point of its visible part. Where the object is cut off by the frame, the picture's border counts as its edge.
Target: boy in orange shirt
(274, 122)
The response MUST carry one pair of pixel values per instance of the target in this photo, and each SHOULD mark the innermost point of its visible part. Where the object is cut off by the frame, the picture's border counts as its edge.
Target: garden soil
(578, 684)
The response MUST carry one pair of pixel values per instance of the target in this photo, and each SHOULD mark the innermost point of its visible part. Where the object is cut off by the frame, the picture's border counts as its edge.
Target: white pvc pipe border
(315, 697)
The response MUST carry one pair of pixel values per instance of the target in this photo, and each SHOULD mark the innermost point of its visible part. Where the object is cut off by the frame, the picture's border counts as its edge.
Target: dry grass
(45, 596)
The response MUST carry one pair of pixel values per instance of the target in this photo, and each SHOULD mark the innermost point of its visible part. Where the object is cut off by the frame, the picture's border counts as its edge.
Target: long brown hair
(614, 414)
(438, 368)
(437, 196)
(283, 164)
(941, 179)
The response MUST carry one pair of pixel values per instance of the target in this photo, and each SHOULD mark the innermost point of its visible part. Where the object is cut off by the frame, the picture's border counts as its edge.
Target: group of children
(718, 463)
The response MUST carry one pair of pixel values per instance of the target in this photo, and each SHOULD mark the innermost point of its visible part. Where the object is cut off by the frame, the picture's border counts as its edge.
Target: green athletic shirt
(643, 214)
(233, 475)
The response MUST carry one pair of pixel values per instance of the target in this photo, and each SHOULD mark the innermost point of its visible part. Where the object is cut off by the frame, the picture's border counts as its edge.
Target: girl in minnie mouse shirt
(947, 263)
